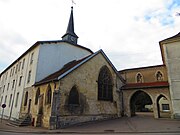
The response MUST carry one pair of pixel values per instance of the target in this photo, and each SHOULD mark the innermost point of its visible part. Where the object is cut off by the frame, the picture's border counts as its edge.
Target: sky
(128, 31)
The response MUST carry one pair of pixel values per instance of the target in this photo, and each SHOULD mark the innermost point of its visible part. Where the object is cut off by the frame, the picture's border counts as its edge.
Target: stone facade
(60, 114)
(153, 85)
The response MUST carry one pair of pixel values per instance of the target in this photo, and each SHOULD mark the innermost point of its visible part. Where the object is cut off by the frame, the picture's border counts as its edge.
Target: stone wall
(85, 79)
(148, 73)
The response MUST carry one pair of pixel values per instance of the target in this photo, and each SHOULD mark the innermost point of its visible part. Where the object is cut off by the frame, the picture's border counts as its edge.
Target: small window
(48, 95)
(3, 88)
(165, 107)
(32, 55)
(1, 100)
(10, 100)
(13, 84)
(19, 66)
(73, 96)
(20, 80)
(29, 77)
(26, 99)
(159, 76)
(11, 72)
(37, 96)
(8, 87)
(17, 98)
(139, 78)
(16, 68)
(5, 99)
(105, 86)
(23, 63)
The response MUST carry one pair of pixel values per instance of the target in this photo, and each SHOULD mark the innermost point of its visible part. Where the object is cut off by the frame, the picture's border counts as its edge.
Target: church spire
(70, 34)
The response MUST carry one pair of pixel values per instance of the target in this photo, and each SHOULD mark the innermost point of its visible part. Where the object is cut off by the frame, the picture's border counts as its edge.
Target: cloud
(12, 46)
(128, 31)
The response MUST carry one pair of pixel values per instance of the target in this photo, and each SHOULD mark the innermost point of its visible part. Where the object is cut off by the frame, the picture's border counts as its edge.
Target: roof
(44, 42)
(130, 86)
(168, 40)
(139, 68)
(177, 36)
(70, 28)
(65, 68)
(71, 66)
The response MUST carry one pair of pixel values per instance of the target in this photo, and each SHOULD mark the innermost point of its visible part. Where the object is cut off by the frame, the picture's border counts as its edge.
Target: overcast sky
(128, 31)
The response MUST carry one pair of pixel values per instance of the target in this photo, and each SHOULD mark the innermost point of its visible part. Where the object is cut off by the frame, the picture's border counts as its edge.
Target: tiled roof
(145, 85)
(139, 68)
(65, 68)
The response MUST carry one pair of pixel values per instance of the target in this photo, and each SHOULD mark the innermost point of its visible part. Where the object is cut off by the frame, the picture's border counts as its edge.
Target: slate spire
(70, 34)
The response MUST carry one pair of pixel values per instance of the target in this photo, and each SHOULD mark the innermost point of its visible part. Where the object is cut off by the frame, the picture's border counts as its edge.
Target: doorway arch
(163, 107)
(140, 101)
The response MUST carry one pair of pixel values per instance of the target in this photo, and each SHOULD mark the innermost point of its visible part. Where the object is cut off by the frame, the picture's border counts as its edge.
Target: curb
(85, 132)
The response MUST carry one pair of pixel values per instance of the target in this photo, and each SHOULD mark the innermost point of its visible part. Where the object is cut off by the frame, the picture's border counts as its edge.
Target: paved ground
(138, 124)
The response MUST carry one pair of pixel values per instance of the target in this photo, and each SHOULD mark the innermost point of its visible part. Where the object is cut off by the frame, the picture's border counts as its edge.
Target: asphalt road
(10, 133)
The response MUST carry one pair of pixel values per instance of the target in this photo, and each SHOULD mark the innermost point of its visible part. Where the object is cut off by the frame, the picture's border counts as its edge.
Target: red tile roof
(145, 85)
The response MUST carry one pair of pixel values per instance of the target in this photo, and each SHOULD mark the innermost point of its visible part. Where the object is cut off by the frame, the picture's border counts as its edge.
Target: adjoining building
(158, 85)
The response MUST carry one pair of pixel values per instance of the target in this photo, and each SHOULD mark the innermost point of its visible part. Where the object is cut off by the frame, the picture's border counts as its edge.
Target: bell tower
(70, 35)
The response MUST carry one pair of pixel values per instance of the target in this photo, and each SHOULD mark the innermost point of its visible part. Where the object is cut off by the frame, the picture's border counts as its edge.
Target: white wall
(54, 56)
(12, 110)
(172, 60)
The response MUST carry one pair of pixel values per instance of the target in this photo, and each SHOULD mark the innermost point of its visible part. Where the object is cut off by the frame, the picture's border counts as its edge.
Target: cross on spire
(73, 3)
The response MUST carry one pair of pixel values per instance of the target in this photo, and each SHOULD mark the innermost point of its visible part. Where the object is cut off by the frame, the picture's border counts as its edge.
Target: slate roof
(130, 86)
(65, 68)
(69, 67)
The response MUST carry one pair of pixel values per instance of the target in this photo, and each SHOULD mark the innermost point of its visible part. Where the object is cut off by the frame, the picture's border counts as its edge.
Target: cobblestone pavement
(138, 124)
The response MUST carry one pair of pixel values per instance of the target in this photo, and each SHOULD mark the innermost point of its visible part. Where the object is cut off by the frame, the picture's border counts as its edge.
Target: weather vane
(73, 3)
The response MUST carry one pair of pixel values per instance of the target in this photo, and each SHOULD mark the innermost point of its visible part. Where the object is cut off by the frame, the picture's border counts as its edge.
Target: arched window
(37, 96)
(26, 98)
(159, 76)
(73, 96)
(48, 95)
(105, 85)
(139, 78)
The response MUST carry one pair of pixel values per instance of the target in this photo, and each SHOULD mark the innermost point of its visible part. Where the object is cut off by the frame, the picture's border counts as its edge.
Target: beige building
(146, 90)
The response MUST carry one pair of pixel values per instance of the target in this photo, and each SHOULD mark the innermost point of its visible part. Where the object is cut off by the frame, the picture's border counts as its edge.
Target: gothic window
(26, 99)
(73, 96)
(48, 95)
(105, 85)
(37, 96)
(139, 78)
(159, 76)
